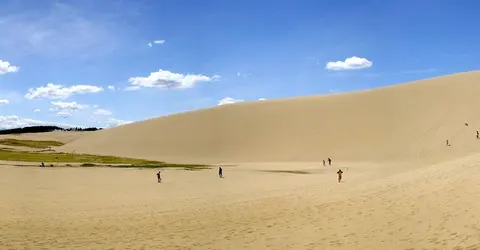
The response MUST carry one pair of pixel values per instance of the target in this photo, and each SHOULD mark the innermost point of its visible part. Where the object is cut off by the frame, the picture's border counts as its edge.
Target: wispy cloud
(57, 91)
(60, 31)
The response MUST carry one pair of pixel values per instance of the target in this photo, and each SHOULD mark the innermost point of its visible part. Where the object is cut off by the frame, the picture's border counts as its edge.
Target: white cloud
(149, 45)
(159, 41)
(111, 87)
(13, 121)
(56, 91)
(4, 101)
(112, 122)
(262, 99)
(168, 80)
(36, 110)
(6, 67)
(228, 100)
(69, 105)
(350, 63)
(102, 112)
(64, 113)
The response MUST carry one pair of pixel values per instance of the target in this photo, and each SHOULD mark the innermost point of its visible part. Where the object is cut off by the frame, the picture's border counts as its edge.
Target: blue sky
(58, 58)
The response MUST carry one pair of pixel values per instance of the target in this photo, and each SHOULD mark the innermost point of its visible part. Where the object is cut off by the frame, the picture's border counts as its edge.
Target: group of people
(447, 142)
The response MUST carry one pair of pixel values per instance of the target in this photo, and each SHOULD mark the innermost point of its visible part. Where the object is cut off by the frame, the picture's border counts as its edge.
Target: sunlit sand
(402, 187)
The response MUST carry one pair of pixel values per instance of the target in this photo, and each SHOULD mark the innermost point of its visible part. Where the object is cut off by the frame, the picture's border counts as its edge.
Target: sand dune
(377, 207)
(402, 189)
(403, 122)
(61, 136)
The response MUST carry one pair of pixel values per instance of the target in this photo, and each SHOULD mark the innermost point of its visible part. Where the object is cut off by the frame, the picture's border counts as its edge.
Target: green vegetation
(88, 160)
(30, 143)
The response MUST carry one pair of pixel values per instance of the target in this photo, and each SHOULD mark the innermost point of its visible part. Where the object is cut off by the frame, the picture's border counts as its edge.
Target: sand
(408, 121)
(402, 189)
(376, 207)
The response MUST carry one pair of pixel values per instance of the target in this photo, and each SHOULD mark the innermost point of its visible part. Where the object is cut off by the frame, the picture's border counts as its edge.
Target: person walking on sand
(339, 172)
(159, 178)
(329, 162)
(220, 172)
(447, 143)
(478, 135)
(324, 163)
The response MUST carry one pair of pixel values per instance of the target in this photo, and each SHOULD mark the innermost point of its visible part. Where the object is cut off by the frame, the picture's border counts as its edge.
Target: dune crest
(404, 122)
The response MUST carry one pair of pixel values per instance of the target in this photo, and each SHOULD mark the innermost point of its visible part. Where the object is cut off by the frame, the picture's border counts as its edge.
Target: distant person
(220, 172)
(43, 164)
(478, 135)
(324, 163)
(447, 143)
(466, 124)
(339, 172)
(329, 162)
(159, 177)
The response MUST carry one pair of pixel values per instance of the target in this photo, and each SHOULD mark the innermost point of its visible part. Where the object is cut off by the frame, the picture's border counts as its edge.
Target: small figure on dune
(220, 172)
(43, 164)
(466, 124)
(329, 162)
(339, 172)
(447, 143)
(324, 163)
(159, 177)
(478, 135)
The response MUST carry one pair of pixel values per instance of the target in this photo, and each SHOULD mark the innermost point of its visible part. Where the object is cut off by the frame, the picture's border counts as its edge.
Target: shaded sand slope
(402, 122)
(61, 136)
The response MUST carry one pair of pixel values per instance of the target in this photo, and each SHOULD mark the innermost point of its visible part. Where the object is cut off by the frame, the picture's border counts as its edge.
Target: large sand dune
(402, 189)
(403, 122)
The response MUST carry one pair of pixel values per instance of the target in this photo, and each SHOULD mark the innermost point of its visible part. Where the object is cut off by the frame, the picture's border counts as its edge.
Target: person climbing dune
(339, 172)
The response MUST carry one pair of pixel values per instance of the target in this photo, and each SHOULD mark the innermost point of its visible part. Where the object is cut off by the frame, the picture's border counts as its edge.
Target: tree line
(43, 129)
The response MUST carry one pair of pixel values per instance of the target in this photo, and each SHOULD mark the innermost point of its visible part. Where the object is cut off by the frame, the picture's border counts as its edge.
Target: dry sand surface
(403, 188)
(61, 136)
(256, 206)
(406, 121)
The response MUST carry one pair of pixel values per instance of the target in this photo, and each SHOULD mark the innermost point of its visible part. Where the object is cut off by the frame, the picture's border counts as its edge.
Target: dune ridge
(408, 121)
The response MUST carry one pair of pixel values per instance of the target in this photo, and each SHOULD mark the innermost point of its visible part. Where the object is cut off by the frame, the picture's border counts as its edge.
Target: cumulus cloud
(66, 109)
(6, 67)
(168, 80)
(228, 100)
(36, 110)
(159, 41)
(102, 112)
(262, 99)
(350, 63)
(4, 101)
(13, 121)
(111, 87)
(57, 91)
(68, 105)
(112, 122)
(64, 113)
(150, 45)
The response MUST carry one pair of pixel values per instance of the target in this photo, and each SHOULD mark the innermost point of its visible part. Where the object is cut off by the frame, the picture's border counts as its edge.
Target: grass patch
(30, 143)
(88, 160)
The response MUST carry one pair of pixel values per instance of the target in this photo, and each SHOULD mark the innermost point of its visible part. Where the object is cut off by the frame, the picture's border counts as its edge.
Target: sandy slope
(377, 207)
(403, 188)
(406, 121)
(61, 136)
